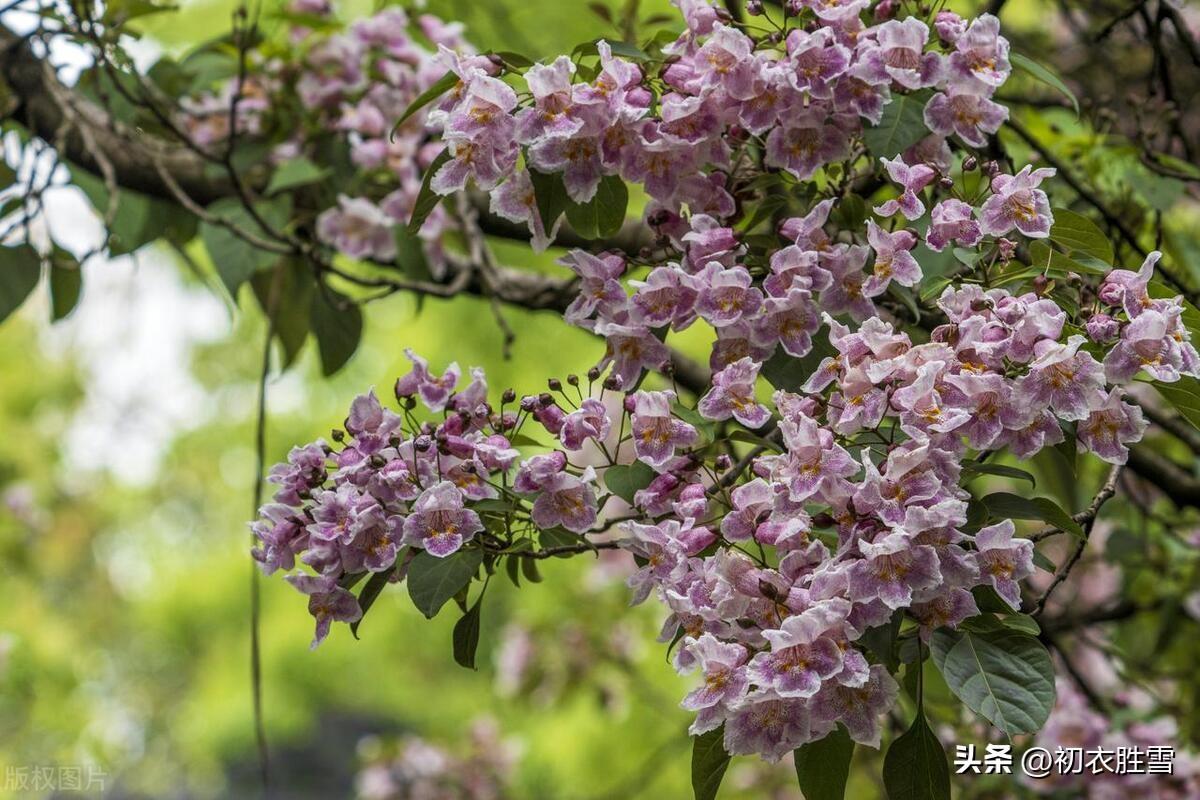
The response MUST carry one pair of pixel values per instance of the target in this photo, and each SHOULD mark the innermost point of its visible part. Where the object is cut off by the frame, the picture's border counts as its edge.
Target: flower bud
(991, 168)
(573, 379)
(337, 434)
(946, 183)
(628, 403)
(886, 10)
(768, 590)
(612, 383)
(593, 374)
(1008, 248)
(1102, 329)
(754, 8)
(970, 163)
(823, 520)
(508, 396)
(1042, 285)
(545, 399)
(529, 403)
(723, 462)
(422, 443)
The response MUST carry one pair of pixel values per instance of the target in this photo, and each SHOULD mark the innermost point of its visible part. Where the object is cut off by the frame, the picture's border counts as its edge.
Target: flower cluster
(1083, 733)
(416, 769)
(851, 512)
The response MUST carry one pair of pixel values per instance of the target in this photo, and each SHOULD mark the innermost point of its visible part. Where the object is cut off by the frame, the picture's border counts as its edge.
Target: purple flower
(1003, 561)
(1102, 329)
(577, 158)
(656, 433)
(358, 229)
(791, 320)
(816, 61)
(804, 651)
(303, 472)
(805, 143)
(1063, 376)
(566, 500)
(859, 708)
(516, 201)
(971, 115)
(1109, 427)
(282, 535)
(1016, 202)
(985, 396)
(812, 460)
(951, 221)
(327, 602)
(913, 179)
(1126, 289)
(947, 608)
(725, 295)
(893, 261)
(846, 293)
(434, 392)
(439, 522)
(1146, 345)
(732, 395)
(589, 421)
(898, 54)
(892, 569)
(599, 289)
(553, 112)
(981, 53)
(631, 349)
(752, 503)
(726, 60)
(721, 664)
(340, 514)
(666, 297)
(768, 725)
(665, 558)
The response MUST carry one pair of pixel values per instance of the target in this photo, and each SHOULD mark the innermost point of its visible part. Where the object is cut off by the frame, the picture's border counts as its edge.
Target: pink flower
(589, 421)
(804, 143)
(439, 523)
(566, 500)
(981, 53)
(893, 261)
(1016, 202)
(913, 180)
(725, 295)
(554, 112)
(951, 221)
(971, 115)
(898, 54)
(359, 229)
(1109, 427)
(1003, 561)
(434, 392)
(732, 395)
(1063, 376)
(327, 602)
(656, 433)
(631, 349)
(892, 569)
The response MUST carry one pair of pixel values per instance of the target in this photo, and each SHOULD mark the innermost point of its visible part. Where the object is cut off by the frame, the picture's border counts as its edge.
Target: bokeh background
(126, 477)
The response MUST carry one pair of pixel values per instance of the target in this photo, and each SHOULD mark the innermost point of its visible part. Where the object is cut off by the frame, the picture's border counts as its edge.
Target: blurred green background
(125, 486)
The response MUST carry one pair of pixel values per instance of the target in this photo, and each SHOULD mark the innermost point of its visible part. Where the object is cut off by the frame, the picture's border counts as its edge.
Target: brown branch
(1088, 515)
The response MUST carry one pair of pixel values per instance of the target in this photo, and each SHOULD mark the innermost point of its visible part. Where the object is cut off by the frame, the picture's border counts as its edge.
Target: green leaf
(624, 480)
(337, 323)
(974, 469)
(139, 218)
(1045, 75)
(295, 173)
(786, 372)
(559, 537)
(427, 199)
(371, 592)
(915, 766)
(439, 88)
(619, 48)
(1004, 505)
(1079, 234)
(551, 197)
(432, 580)
(823, 766)
(604, 214)
(1184, 394)
(1003, 675)
(1045, 259)
(410, 254)
(902, 125)
(466, 635)
(20, 269)
(709, 762)
(293, 307)
(66, 281)
(235, 259)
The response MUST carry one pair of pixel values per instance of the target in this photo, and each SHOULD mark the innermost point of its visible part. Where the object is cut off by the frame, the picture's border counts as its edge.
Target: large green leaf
(432, 580)
(1006, 505)
(915, 766)
(66, 281)
(902, 125)
(1184, 394)
(823, 766)
(786, 372)
(625, 480)
(1079, 234)
(550, 195)
(466, 634)
(709, 762)
(1045, 75)
(295, 173)
(439, 88)
(604, 214)
(370, 593)
(427, 199)
(337, 323)
(1004, 675)
(235, 259)
(20, 269)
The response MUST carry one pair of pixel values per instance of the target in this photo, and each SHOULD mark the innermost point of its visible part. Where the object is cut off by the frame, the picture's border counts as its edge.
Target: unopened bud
(946, 183)
(337, 434)
(573, 379)
(768, 590)
(823, 520)
(593, 374)
(723, 462)
(555, 385)
(970, 163)
(991, 169)
(754, 8)
(545, 399)
(612, 383)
